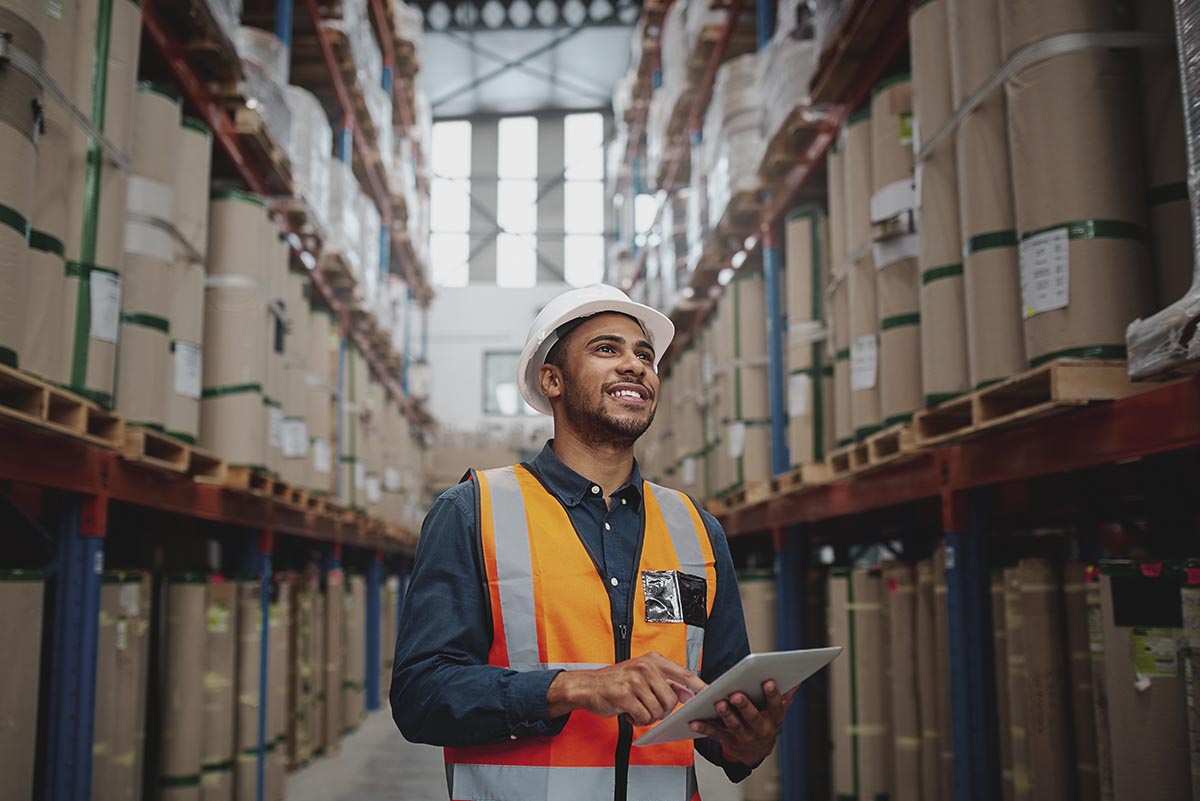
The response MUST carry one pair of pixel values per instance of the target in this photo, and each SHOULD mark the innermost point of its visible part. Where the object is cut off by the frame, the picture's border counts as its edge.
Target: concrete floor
(377, 764)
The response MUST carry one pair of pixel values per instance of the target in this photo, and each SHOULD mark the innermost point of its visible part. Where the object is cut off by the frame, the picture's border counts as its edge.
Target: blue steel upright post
(972, 664)
(374, 657)
(72, 718)
(283, 25)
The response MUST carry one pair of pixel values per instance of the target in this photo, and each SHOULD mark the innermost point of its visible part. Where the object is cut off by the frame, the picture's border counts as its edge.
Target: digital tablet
(786, 668)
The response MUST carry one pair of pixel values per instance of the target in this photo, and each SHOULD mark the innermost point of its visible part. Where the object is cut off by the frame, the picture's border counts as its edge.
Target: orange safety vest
(550, 609)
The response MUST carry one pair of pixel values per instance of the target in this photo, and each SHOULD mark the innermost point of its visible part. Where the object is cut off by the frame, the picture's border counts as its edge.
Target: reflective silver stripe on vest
(559, 666)
(514, 566)
(687, 550)
(523, 783)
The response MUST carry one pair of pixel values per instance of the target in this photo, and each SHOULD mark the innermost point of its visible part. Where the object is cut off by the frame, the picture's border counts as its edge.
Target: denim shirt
(443, 691)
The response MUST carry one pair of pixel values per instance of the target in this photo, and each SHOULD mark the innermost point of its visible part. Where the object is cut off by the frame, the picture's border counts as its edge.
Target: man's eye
(605, 348)
(645, 357)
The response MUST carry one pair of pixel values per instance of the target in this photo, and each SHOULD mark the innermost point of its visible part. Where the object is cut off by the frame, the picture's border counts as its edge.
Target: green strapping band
(1085, 352)
(990, 241)
(1096, 229)
(936, 398)
(152, 321)
(938, 273)
(8, 357)
(186, 439)
(888, 83)
(143, 424)
(897, 419)
(988, 383)
(347, 459)
(195, 124)
(842, 443)
(236, 194)
(42, 241)
(862, 433)
(1168, 193)
(863, 114)
(162, 89)
(271, 402)
(842, 355)
(217, 767)
(232, 389)
(15, 220)
(179, 781)
(899, 321)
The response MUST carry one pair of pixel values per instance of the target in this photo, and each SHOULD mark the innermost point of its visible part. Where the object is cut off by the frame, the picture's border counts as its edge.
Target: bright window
(450, 204)
(516, 261)
(583, 198)
(501, 396)
(448, 257)
(518, 148)
(583, 210)
(517, 202)
(584, 259)
(584, 147)
(516, 206)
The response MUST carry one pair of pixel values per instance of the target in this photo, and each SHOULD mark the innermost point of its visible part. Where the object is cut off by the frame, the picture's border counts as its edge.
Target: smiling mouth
(630, 394)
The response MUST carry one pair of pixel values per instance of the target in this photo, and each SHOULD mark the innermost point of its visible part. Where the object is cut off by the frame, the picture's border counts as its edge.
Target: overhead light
(688, 292)
(546, 12)
(439, 16)
(574, 12)
(600, 10)
(520, 13)
(493, 14)
(628, 11)
(738, 259)
(750, 243)
(725, 276)
(466, 15)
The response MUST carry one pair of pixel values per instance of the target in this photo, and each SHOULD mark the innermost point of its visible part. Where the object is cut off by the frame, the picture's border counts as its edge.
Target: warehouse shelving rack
(965, 485)
(66, 487)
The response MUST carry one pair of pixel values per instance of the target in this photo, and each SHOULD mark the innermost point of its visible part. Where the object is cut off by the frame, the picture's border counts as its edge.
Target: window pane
(516, 206)
(518, 147)
(451, 147)
(450, 205)
(583, 207)
(584, 260)
(448, 257)
(516, 262)
(584, 146)
(501, 394)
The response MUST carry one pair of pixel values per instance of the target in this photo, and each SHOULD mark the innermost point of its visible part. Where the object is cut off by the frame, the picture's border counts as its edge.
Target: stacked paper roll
(144, 359)
(863, 317)
(295, 394)
(891, 148)
(873, 690)
(758, 600)
(319, 411)
(1082, 221)
(944, 365)
(810, 371)
(103, 85)
(747, 432)
(992, 290)
(277, 266)
(182, 690)
(247, 688)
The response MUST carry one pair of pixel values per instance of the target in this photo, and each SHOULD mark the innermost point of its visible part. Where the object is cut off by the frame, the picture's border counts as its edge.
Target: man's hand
(747, 734)
(645, 689)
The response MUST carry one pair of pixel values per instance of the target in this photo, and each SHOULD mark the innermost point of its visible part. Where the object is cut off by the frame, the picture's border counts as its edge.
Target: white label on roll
(688, 471)
(1045, 272)
(295, 439)
(894, 199)
(189, 366)
(864, 363)
(890, 251)
(391, 479)
(799, 385)
(106, 305)
(360, 474)
(374, 495)
(737, 439)
(274, 427)
(322, 457)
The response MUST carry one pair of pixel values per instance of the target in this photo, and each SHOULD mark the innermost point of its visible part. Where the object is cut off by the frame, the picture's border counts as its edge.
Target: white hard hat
(574, 305)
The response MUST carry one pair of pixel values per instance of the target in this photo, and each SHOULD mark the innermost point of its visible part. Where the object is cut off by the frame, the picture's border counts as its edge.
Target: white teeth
(626, 393)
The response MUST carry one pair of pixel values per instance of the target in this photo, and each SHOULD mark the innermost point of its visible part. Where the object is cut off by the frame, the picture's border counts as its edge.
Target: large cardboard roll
(1084, 260)
(875, 753)
(1023, 22)
(235, 328)
(247, 681)
(237, 237)
(902, 649)
(191, 182)
(182, 688)
(21, 607)
(316, 723)
(1047, 706)
(220, 664)
(19, 102)
(1018, 681)
(1100, 710)
(105, 714)
(758, 601)
(891, 148)
(843, 426)
(857, 174)
(974, 46)
(866, 414)
(233, 426)
(748, 430)
(155, 151)
(835, 165)
(1003, 701)
(898, 301)
(144, 348)
(334, 670)
(927, 681)
(1087, 771)
(805, 234)
(945, 716)
(186, 370)
(843, 700)
(133, 672)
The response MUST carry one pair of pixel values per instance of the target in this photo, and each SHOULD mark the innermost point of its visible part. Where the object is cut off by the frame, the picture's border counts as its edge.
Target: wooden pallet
(300, 220)
(748, 495)
(206, 467)
(315, 503)
(1049, 389)
(807, 475)
(151, 448)
(250, 480)
(789, 142)
(34, 403)
(894, 444)
(251, 131)
(739, 220)
(337, 270)
(847, 460)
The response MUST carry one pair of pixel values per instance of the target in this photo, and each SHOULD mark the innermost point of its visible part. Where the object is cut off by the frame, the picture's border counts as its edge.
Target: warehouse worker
(557, 604)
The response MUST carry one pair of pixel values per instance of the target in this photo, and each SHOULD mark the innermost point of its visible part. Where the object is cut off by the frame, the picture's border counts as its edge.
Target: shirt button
(595, 490)
(613, 581)
(607, 527)
(622, 501)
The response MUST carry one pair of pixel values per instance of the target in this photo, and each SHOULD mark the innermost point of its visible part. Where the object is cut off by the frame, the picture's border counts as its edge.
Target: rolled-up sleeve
(443, 691)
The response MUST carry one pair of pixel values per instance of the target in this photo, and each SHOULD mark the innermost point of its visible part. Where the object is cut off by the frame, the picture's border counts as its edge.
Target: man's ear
(550, 379)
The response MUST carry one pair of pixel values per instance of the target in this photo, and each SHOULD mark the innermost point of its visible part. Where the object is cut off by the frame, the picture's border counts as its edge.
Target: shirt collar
(571, 488)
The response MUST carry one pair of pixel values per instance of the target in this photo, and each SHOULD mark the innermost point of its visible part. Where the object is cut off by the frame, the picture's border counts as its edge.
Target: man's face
(610, 389)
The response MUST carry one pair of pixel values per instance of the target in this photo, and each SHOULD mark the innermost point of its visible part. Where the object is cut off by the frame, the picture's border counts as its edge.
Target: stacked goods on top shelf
(143, 352)
(343, 244)
(308, 152)
(895, 251)
(827, 16)
(101, 81)
(810, 371)
(671, 101)
(730, 150)
(1081, 221)
(785, 68)
(944, 367)
(265, 67)
(410, 37)
(673, 250)
(191, 189)
(702, 251)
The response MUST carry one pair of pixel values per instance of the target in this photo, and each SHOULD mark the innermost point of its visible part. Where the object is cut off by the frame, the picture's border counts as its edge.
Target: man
(555, 606)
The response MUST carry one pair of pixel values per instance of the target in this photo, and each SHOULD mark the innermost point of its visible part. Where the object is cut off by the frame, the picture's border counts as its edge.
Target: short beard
(596, 427)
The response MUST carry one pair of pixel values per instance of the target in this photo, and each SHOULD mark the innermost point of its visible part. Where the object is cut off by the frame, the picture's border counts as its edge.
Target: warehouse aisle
(375, 764)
